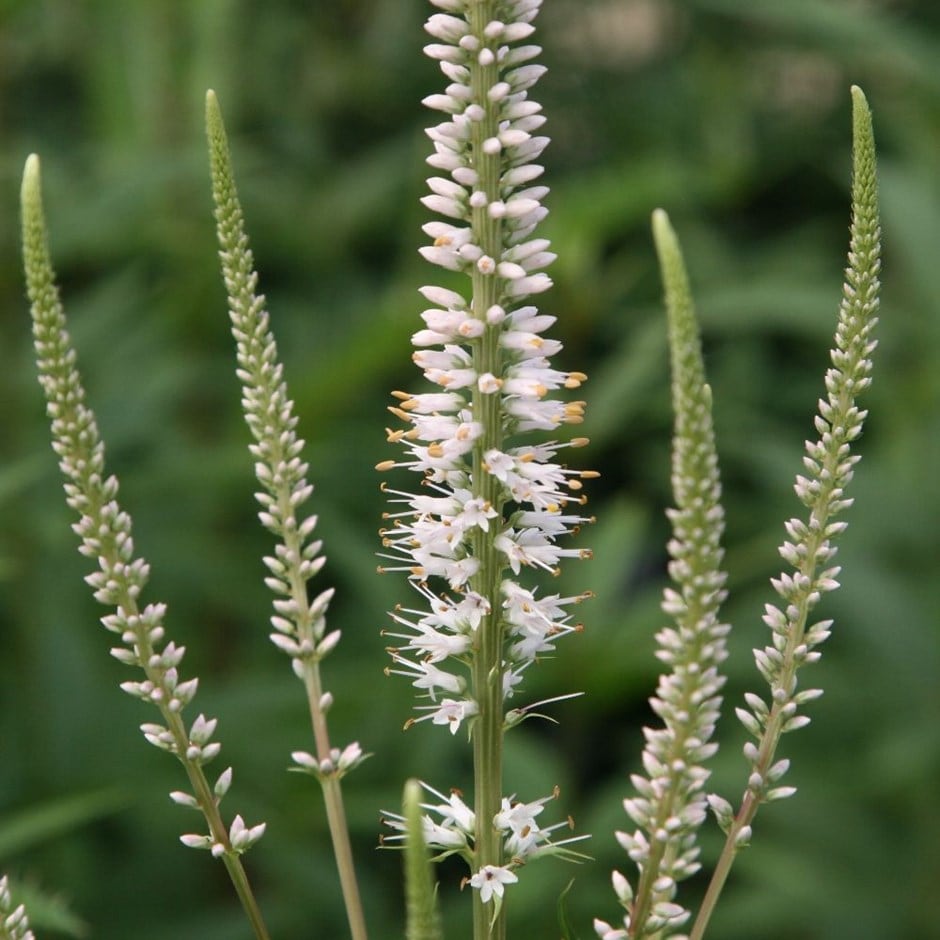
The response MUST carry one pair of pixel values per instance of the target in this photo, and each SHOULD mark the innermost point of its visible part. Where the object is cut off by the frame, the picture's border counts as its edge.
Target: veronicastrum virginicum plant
(494, 500)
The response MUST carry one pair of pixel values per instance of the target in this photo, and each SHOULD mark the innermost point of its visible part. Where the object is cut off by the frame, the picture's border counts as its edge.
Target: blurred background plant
(735, 117)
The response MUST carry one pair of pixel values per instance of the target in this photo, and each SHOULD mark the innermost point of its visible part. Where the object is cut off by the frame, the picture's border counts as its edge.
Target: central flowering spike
(491, 503)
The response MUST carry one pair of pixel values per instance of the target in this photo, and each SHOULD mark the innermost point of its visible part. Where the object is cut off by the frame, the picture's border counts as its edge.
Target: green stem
(335, 810)
(745, 817)
(487, 671)
(330, 783)
(208, 802)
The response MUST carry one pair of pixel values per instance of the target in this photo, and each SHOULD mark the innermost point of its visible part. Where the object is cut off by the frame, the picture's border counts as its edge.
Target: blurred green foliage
(735, 117)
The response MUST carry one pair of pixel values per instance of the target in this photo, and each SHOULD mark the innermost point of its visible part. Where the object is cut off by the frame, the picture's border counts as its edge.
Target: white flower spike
(492, 507)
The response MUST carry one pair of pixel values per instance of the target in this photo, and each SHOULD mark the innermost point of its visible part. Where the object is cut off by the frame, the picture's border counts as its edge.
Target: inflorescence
(491, 505)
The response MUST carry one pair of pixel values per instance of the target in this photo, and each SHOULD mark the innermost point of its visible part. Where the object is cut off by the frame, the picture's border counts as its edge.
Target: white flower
(518, 819)
(429, 677)
(454, 831)
(492, 879)
(451, 713)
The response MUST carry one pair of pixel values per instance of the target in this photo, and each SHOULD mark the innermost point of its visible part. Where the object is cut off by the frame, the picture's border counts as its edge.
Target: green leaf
(564, 924)
(56, 817)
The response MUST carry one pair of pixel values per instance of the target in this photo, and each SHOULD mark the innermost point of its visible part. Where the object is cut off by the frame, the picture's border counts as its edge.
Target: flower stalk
(498, 505)
(105, 533)
(810, 544)
(670, 804)
(299, 622)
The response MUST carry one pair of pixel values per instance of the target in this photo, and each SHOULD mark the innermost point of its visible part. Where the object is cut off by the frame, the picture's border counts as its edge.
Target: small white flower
(451, 713)
(492, 880)
(429, 677)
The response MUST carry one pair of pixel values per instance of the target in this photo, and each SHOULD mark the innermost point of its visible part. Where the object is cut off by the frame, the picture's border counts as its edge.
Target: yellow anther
(575, 379)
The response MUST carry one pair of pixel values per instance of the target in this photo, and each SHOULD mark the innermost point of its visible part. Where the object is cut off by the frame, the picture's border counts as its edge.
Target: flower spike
(670, 803)
(299, 623)
(492, 507)
(105, 533)
(809, 546)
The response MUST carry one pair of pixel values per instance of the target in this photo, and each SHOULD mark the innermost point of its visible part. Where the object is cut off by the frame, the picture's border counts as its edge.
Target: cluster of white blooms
(337, 763)
(492, 364)
(240, 837)
(452, 827)
(491, 505)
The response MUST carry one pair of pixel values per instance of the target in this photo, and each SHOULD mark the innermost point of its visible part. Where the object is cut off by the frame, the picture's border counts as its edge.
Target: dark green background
(736, 118)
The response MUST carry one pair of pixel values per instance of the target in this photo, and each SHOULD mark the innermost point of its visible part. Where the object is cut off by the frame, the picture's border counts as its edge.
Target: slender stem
(723, 867)
(335, 810)
(330, 783)
(487, 673)
(208, 802)
(239, 879)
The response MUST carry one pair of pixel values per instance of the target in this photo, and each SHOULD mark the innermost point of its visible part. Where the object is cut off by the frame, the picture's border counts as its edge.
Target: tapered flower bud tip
(31, 170)
(860, 109)
(29, 193)
(663, 234)
(411, 797)
(213, 112)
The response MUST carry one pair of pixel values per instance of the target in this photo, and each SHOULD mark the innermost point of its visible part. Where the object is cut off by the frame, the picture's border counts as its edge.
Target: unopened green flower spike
(105, 533)
(809, 547)
(299, 623)
(670, 804)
